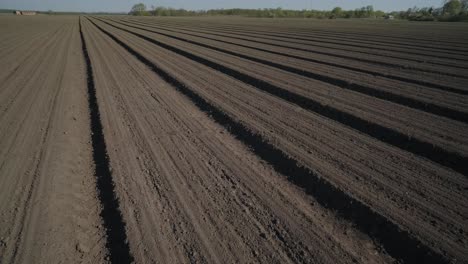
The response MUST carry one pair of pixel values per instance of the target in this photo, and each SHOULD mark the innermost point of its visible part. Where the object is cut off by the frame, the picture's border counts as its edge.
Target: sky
(125, 5)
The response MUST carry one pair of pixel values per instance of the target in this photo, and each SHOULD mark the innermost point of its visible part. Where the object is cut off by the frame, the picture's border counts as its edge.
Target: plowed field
(232, 140)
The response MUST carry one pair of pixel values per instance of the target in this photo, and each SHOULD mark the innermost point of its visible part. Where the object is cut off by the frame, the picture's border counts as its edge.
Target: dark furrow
(364, 45)
(388, 135)
(237, 34)
(385, 37)
(376, 62)
(306, 32)
(357, 42)
(116, 238)
(397, 242)
(344, 84)
(333, 37)
(374, 73)
(376, 41)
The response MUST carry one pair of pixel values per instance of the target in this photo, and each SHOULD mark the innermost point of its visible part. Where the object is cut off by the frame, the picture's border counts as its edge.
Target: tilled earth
(232, 140)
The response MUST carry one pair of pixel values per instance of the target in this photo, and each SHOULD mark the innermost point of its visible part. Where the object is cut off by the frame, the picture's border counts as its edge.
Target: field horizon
(132, 139)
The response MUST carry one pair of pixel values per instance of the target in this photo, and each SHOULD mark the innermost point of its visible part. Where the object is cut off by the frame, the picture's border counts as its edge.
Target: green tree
(452, 7)
(369, 11)
(337, 12)
(138, 9)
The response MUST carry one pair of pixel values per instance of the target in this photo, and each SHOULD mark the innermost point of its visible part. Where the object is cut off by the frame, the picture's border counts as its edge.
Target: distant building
(25, 13)
(389, 17)
(28, 13)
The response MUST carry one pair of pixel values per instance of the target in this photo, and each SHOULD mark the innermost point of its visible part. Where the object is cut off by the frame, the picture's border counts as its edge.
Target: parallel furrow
(328, 195)
(377, 61)
(385, 134)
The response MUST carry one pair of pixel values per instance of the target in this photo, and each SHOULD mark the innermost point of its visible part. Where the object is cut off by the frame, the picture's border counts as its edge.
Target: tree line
(452, 10)
(364, 12)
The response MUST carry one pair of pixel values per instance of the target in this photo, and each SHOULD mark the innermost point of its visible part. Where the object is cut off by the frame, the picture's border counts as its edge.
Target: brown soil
(163, 140)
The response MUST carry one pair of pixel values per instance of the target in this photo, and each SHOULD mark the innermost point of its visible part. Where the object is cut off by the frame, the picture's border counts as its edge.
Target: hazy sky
(125, 5)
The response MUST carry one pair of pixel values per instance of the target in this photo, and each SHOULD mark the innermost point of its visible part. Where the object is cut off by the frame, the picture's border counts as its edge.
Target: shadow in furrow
(238, 33)
(117, 245)
(388, 135)
(397, 242)
(344, 84)
(323, 62)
